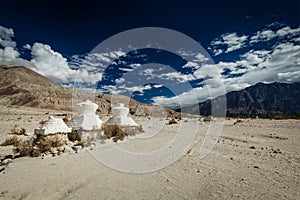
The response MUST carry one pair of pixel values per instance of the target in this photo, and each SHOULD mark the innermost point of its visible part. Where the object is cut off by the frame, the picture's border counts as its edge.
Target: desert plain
(252, 159)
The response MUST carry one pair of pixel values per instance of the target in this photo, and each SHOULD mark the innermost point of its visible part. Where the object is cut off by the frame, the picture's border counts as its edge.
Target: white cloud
(177, 76)
(190, 64)
(125, 89)
(50, 63)
(230, 41)
(217, 52)
(6, 35)
(296, 39)
(289, 76)
(126, 69)
(157, 86)
(8, 54)
(85, 71)
(197, 61)
(282, 64)
(263, 36)
(136, 88)
(120, 80)
(193, 96)
(200, 58)
(266, 35)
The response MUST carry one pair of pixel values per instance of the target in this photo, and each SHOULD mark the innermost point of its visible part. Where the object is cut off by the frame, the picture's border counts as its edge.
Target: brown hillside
(20, 86)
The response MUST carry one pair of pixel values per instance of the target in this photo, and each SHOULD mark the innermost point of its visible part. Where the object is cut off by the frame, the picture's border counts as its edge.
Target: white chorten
(86, 117)
(55, 125)
(120, 116)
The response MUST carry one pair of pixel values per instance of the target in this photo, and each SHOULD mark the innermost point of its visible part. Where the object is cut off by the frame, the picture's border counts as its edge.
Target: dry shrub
(178, 117)
(79, 143)
(11, 141)
(237, 121)
(172, 121)
(114, 131)
(25, 148)
(133, 130)
(66, 120)
(207, 119)
(38, 145)
(42, 122)
(16, 131)
(74, 135)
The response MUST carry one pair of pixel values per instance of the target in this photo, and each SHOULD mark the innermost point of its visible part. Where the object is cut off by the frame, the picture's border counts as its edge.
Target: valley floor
(252, 159)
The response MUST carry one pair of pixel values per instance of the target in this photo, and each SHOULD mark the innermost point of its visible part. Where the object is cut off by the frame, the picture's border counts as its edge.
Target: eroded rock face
(120, 116)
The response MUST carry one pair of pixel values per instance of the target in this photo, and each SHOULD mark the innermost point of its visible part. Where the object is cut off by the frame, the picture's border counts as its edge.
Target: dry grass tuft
(207, 119)
(114, 131)
(15, 141)
(74, 135)
(42, 122)
(16, 131)
(178, 117)
(38, 145)
(66, 120)
(172, 121)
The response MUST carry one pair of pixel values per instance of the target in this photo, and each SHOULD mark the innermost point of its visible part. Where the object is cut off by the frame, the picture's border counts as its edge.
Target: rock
(77, 148)
(5, 162)
(67, 149)
(2, 169)
(252, 147)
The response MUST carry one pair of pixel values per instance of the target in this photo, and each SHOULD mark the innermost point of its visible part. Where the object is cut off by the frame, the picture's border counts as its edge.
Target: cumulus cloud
(8, 54)
(266, 35)
(50, 63)
(281, 64)
(196, 61)
(229, 41)
(6, 35)
(128, 90)
(176, 76)
(194, 96)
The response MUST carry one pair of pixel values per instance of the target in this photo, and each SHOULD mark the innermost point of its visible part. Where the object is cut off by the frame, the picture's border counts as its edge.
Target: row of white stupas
(87, 119)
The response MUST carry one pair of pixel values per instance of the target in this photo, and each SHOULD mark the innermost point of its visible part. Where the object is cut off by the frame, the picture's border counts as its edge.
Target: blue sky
(244, 42)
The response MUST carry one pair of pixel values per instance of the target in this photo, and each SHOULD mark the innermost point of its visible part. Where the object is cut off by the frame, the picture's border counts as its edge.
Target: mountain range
(260, 99)
(20, 86)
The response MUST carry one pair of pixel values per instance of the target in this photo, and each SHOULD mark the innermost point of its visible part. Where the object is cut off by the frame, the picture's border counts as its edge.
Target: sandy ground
(253, 159)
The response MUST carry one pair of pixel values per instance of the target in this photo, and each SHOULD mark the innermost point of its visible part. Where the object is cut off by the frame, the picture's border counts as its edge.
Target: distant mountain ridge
(260, 99)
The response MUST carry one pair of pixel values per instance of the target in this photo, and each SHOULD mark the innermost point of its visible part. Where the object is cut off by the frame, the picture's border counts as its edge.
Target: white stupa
(54, 125)
(86, 117)
(120, 116)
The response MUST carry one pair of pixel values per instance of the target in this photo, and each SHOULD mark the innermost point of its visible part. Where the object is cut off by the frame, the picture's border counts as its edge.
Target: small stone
(77, 148)
(252, 147)
(2, 169)
(255, 166)
(5, 162)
